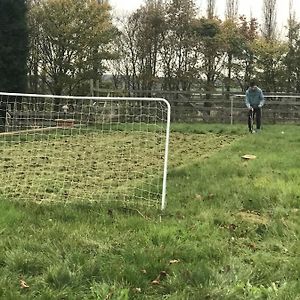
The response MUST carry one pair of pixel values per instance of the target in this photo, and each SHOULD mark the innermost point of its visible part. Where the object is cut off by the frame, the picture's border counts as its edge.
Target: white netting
(83, 149)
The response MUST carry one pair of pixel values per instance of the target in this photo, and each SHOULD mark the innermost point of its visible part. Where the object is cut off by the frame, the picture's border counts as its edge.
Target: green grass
(231, 225)
(88, 165)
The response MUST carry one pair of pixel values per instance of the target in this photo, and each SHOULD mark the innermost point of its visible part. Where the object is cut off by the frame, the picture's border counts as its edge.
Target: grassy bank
(230, 231)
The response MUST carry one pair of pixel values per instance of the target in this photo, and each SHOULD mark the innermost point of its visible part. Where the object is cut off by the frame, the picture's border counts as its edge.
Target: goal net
(63, 148)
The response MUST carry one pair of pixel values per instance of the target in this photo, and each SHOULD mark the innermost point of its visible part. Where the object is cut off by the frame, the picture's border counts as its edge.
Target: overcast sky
(246, 7)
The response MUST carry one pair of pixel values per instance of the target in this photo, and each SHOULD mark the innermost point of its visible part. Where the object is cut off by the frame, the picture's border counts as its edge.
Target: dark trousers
(256, 113)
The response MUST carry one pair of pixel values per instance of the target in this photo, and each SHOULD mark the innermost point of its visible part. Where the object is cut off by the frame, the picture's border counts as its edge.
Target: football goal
(103, 149)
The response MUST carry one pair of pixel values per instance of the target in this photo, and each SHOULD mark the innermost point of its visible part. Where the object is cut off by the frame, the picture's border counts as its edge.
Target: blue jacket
(254, 98)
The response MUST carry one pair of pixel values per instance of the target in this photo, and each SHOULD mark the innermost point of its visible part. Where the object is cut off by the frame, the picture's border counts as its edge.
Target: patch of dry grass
(97, 166)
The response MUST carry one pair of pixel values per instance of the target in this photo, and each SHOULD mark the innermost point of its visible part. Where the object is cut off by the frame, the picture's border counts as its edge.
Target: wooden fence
(218, 107)
(185, 107)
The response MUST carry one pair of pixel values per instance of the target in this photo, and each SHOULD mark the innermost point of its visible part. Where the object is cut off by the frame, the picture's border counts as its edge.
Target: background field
(230, 231)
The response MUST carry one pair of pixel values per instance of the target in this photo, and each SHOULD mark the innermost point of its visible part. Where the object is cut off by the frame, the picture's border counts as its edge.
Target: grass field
(230, 230)
(88, 165)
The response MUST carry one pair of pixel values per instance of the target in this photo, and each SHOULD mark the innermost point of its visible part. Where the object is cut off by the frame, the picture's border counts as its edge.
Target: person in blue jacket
(254, 101)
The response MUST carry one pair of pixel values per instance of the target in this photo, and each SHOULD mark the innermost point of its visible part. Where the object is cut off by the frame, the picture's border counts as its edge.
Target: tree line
(57, 46)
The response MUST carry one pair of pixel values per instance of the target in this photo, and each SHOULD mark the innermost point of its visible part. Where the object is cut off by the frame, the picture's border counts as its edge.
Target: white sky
(246, 7)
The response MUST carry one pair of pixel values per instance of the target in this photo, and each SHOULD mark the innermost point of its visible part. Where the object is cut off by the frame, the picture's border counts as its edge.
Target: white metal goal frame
(111, 99)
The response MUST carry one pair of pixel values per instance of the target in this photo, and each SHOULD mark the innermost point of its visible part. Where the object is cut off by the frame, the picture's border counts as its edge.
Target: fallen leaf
(199, 197)
(23, 284)
(161, 275)
(252, 246)
(232, 227)
(108, 296)
(174, 261)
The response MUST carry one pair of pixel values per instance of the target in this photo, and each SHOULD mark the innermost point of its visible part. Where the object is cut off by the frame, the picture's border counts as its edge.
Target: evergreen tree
(13, 45)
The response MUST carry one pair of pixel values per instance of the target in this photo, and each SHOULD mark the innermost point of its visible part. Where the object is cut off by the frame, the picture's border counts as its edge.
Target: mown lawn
(230, 230)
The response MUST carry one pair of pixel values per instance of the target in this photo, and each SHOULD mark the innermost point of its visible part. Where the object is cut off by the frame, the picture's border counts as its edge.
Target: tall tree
(127, 63)
(249, 32)
(269, 50)
(212, 49)
(150, 32)
(292, 58)
(232, 38)
(140, 44)
(211, 8)
(72, 40)
(235, 44)
(269, 19)
(231, 11)
(13, 45)
(269, 62)
(179, 55)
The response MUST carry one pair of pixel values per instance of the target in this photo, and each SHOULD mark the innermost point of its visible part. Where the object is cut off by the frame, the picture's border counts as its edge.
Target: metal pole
(231, 110)
(92, 87)
(164, 188)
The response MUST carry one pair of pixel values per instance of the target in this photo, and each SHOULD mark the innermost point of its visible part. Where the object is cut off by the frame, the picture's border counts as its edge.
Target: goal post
(72, 148)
